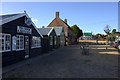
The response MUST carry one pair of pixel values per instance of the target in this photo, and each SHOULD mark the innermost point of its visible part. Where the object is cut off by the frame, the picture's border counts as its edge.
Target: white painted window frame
(55, 40)
(13, 49)
(19, 43)
(37, 42)
(51, 40)
(5, 41)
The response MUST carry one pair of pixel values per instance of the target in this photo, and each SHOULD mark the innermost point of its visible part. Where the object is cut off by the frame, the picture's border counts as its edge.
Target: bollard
(106, 48)
(85, 49)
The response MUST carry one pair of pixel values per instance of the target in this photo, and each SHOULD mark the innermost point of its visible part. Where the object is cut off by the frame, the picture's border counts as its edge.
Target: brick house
(57, 22)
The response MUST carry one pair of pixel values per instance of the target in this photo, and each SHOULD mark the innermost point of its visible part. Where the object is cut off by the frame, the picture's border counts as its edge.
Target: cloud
(34, 20)
(46, 24)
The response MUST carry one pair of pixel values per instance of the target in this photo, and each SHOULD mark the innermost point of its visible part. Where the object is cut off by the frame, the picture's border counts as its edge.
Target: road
(68, 62)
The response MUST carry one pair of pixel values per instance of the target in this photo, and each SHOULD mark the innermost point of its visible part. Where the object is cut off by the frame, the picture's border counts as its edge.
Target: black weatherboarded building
(19, 38)
(49, 39)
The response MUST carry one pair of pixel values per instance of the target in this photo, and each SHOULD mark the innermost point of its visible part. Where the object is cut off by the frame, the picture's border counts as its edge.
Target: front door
(53, 41)
(26, 47)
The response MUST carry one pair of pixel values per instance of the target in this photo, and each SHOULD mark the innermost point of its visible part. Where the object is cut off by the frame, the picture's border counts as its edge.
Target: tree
(98, 36)
(77, 31)
(113, 35)
(107, 30)
(114, 31)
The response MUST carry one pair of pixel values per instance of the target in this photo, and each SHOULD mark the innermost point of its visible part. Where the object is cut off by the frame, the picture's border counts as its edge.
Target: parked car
(115, 44)
(118, 44)
(119, 47)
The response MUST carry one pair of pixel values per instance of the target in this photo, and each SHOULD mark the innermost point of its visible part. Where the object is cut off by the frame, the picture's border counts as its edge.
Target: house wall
(45, 44)
(35, 51)
(62, 40)
(57, 22)
(53, 45)
(71, 38)
(59, 41)
(16, 56)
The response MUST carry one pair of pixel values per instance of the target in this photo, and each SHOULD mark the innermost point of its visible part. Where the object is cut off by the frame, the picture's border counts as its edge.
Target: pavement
(24, 62)
(68, 62)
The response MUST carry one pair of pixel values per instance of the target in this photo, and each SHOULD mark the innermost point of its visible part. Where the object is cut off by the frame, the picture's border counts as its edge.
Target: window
(5, 42)
(14, 43)
(36, 42)
(18, 42)
(51, 40)
(55, 40)
(21, 42)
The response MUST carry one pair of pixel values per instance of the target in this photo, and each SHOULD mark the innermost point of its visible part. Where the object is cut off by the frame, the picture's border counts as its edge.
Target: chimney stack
(24, 11)
(57, 14)
(65, 20)
(43, 27)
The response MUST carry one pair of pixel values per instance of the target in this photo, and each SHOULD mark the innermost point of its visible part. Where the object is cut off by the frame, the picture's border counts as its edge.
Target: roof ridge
(10, 14)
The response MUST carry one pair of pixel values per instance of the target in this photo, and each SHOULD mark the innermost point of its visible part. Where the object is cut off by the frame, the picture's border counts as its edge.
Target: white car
(118, 46)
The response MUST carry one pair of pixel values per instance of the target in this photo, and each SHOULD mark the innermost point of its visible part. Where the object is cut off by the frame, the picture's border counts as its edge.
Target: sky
(88, 16)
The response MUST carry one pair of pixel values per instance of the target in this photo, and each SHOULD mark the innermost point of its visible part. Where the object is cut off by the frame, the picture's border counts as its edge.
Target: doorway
(26, 47)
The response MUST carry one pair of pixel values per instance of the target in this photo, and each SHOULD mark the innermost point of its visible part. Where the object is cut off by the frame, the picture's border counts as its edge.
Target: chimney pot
(57, 14)
(24, 11)
(65, 20)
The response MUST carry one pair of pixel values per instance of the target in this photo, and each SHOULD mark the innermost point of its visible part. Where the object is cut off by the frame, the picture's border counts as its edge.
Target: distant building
(61, 36)
(57, 22)
(87, 36)
(49, 38)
